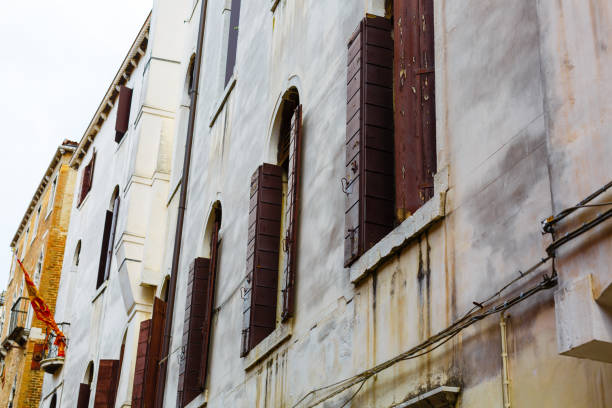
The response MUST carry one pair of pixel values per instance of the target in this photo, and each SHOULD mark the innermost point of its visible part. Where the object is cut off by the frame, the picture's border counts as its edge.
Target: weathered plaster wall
(495, 85)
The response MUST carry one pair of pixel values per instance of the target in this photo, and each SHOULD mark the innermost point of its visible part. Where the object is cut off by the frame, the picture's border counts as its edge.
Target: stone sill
(267, 345)
(224, 97)
(444, 393)
(199, 401)
(432, 211)
(100, 291)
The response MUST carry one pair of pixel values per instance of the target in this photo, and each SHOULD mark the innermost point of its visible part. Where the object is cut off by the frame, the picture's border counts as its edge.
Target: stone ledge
(267, 345)
(218, 107)
(432, 211)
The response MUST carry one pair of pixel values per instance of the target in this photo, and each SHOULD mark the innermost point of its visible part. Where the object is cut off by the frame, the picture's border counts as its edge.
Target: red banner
(43, 313)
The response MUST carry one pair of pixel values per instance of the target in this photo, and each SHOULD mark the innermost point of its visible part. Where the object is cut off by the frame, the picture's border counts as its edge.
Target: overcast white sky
(57, 59)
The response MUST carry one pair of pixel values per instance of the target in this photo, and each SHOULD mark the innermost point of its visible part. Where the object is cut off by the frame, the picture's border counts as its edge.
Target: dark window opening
(123, 112)
(232, 44)
(108, 239)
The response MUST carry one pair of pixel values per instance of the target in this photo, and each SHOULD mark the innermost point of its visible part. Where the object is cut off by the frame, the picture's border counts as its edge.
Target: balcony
(51, 361)
(18, 326)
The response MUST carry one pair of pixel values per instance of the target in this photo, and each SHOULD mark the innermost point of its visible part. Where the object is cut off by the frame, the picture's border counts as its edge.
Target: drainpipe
(504, 356)
(163, 364)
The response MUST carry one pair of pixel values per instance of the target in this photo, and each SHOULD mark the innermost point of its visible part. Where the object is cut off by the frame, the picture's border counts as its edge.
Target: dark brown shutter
(123, 112)
(106, 387)
(111, 239)
(291, 215)
(141, 358)
(37, 356)
(85, 183)
(369, 137)
(259, 311)
(210, 299)
(83, 398)
(195, 317)
(104, 250)
(232, 43)
(155, 349)
(415, 120)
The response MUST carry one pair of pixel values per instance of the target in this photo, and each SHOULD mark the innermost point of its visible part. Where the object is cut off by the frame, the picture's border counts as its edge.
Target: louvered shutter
(155, 349)
(369, 178)
(83, 397)
(141, 359)
(123, 112)
(291, 214)
(37, 356)
(195, 316)
(415, 120)
(210, 299)
(104, 249)
(108, 373)
(111, 239)
(259, 311)
(85, 183)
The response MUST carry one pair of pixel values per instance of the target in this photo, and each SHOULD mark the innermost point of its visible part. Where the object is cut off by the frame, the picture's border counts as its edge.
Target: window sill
(432, 211)
(268, 345)
(224, 97)
(99, 291)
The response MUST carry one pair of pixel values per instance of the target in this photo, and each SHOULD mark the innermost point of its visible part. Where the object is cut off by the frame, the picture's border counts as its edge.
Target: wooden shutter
(123, 112)
(111, 239)
(106, 387)
(259, 311)
(291, 214)
(37, 356)
(195, 317)
(210, 299)
(141, 358)
(369, 137)
(83, 398)
(104, 250)
(87, 179)
(415, 116)
(232, 44)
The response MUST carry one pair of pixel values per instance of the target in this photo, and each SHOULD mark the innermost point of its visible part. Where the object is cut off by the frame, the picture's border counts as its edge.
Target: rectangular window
(390, 139)
(52, 197)
(232, 44)
(36, 222)
(123, 113)
(87, 179)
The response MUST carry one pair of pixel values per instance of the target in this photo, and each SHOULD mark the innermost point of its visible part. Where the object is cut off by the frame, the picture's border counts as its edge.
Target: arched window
(108, 239)
(85, 387)
(272, 231)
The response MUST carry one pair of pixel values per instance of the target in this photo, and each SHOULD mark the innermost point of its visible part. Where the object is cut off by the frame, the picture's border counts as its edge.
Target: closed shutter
(37, 356)
(195, 316)
(210, 299)
(83, 398)
(87, 179)
(259, 311)
(291, 215)
(415, 120)
(155, 348)
(111, 239)
(104, 250)
(141, 358)
(369, 137)
(106, 386)
(123, 112)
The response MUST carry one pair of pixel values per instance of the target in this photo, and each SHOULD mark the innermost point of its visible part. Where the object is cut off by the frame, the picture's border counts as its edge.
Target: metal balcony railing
(51, 360)
(18, 330)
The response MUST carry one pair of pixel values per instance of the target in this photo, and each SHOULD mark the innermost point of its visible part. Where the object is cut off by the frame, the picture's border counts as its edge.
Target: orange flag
(43, 313)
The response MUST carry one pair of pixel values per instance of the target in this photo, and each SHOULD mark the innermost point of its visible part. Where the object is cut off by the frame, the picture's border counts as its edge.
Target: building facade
(39, 243)
(435, 137)
(117, 229)
(365, 203)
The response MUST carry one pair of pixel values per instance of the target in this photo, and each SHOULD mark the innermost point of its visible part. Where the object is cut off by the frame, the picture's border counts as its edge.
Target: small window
(108, 239)
(123, 113)
(36, 222)
(87, 178)
(25, 242)
(232, 43)
(52, 197)
(77, 255)
(38, 269)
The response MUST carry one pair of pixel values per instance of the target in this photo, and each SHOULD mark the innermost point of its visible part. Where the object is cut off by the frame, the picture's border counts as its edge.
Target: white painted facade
(523, 121)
